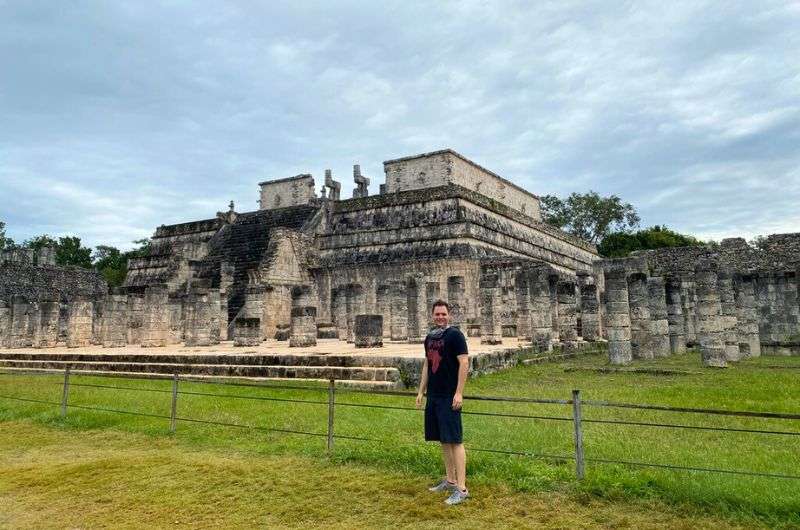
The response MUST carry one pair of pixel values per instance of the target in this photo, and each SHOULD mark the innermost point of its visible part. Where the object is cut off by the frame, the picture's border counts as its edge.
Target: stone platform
(396, 365)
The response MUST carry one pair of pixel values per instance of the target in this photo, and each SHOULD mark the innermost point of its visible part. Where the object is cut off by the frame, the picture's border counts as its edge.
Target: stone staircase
(359, 371)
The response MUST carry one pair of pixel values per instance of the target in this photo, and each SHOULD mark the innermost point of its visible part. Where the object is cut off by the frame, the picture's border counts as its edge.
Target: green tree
(620, 244)
(69, 251)
(5, 241)
(111, 263)
(589, 216)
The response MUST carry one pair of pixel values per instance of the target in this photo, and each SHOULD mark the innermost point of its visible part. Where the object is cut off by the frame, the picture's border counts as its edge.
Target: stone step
(349, 383)
(227, 370)
(208, 358)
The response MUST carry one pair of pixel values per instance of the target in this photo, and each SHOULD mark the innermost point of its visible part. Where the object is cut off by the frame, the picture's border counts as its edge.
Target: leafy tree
(70, 252)
(588, 215)
(5, 241)
(113, 264)
(620, 244)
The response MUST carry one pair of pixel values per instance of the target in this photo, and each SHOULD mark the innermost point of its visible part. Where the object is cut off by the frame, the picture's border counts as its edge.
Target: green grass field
(766, 384)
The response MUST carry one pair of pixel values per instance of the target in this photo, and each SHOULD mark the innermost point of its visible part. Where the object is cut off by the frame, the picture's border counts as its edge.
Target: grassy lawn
(399, 461)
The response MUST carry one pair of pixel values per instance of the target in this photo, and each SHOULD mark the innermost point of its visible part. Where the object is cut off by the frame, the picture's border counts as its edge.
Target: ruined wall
(49, 282)
(292, 191)
(441, 168)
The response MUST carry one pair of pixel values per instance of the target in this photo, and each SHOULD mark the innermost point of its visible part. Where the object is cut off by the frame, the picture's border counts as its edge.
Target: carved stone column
(709, 315)
(677, 335)
(114, 328)
(641, 346)
(155, 319)
(729, 321)
(618, 318)
(79, 324)
(659, 322)
(303, 331)
(491, 326)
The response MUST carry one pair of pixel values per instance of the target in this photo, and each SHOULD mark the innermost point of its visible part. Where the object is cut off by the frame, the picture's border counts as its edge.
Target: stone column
(765, 299)
(689, 306)
(356, 305)
(368, 331)
(215, 301)
(522, 290)
(176, 319)
(155, 317)
(399, 313)
(541, 318)
(21, 335)
(791, 310)
(590, 310)
(247, 332)
(709, 315)
(197, 331)
(456, 297)
(491, 326)
(418, 313)
(746, 315)
(303, 331)
(114, 327)
(97, 322)
(567, 312)
(555, 321)
(135, 315)
(640, 316)
(47, 330)
(383, 301)
(79, 324)
(254, 301)
(659, 321)
(339, 311)
(677, 336)
(618, 318)
(5, 324)
(727, 299)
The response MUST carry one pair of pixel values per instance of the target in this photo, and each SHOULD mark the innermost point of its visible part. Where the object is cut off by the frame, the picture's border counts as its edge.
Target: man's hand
(420, 399)
(458, 400)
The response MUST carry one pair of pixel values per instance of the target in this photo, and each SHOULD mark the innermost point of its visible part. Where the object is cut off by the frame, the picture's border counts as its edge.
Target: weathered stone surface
(114, 327)
(675, 317)
(247, 332)
(198, 311)
(659, 322)
(303, 330)
(638, 299)
(79, 325)
(155, 317)
(709, 315)
(618, 320)
(368, 331)
(567, 311)
(491, 327)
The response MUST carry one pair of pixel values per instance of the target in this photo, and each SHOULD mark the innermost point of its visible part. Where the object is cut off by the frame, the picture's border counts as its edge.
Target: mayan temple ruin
(308, 267)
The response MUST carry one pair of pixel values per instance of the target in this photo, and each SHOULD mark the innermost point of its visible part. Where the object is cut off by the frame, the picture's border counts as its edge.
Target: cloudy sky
(116, 117)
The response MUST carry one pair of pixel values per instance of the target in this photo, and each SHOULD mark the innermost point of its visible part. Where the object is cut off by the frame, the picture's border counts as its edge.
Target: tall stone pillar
(677, 335)
(368, 331)
(689, 306)
(399, 313)
(491, 326)
(339, 311)
(114, 327)
(176, 319)
(456, 297)
(155, 317)
(47, 330)
(541, 318)
(618, 318)
(356, 305)
(659, 321)
(22, 314)
(247, 332)
(97, 322)
(522, 290)
(709, 315)
(303, 331)
(254, 302)
(555, 321)
(419, 317)
(5, 324)
(727, 298)
(135, 319)
(197, 331)
(791, 310)
(79, 324)
(214, 300)
(765, 299)
(567, 312)
(590, 309)
(640, 316)
(383, 302)
(746, 315)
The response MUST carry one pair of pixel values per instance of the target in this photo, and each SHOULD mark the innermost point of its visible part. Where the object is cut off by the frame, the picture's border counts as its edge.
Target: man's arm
(423, 383)
(463, 371)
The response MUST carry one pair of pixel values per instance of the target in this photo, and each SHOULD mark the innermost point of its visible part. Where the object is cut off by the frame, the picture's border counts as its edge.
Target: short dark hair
(440, 303)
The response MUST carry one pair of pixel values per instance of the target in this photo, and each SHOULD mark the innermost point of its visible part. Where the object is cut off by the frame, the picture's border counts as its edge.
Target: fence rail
(576, 418)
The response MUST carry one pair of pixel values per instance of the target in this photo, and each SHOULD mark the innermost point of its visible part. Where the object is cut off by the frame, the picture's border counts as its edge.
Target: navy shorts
(442, 423)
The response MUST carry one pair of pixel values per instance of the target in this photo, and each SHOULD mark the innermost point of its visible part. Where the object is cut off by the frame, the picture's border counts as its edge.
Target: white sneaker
(457, 497)
(444, 485)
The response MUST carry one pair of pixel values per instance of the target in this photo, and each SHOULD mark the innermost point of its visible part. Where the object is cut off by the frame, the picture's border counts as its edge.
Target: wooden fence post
(578, 432)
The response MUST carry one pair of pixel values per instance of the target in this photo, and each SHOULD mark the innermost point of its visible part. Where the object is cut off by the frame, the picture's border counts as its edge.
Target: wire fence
(578, 405)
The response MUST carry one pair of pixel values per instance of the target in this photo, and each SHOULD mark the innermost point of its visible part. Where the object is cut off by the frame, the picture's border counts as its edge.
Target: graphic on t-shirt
(434, 357)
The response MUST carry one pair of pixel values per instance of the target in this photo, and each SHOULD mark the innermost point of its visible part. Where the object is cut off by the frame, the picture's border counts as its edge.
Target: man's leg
(449, 463)
(459, 463)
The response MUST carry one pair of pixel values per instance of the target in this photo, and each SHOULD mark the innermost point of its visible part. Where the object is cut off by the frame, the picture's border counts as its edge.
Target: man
(444, 373)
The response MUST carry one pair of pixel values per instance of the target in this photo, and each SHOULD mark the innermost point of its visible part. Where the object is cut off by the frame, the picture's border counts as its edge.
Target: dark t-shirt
(442, 354)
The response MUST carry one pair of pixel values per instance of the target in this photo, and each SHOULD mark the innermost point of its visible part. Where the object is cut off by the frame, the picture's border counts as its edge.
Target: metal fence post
(65, 393)
(578, 432)
(331, 401)
(174, 411)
